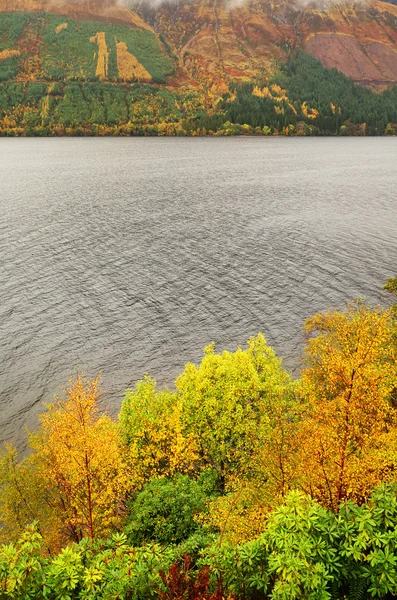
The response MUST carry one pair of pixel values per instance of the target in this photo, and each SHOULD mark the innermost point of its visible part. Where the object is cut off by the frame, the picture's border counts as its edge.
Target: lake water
(127, 256)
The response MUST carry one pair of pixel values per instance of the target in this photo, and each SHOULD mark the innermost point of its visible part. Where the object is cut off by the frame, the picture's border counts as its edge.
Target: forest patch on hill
(300, 98)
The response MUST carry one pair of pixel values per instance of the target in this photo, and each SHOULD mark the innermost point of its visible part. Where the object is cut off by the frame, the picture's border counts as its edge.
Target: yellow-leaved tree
(238, 404)
(157, 443)
(227, 400)
(347, 437)
(77, 477)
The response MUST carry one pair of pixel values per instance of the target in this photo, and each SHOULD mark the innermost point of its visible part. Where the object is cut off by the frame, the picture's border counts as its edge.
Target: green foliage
(243, 569)
(368, 544)
(341, 103)
(110, 570)
(391, 287)
(11, 29)
(22, 567)
(165, 510)
(227, 401)
(70, 53)
(300, 537)
(92, 108)
(144, 403)
(307, 552)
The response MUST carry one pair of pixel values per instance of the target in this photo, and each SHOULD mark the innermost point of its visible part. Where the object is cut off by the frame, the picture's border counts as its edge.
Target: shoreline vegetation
(241, 483)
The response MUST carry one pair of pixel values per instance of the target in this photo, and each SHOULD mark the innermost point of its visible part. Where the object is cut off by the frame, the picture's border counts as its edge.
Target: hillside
(194, 52)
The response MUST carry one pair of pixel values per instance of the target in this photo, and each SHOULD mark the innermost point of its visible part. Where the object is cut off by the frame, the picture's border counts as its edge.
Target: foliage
(151, 426)
(80, 70)
(76, 476)
(70, 53)
(182, 582)
(107, 570)
(305, 552)
(336, 104)
(165, 510)
(391, 287)
(239, 484)
(347, 438)
(21, 567)
(93, 109)
(227, 400)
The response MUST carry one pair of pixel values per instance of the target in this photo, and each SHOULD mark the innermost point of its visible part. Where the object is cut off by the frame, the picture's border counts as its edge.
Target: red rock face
(360, 41)
(363, 60)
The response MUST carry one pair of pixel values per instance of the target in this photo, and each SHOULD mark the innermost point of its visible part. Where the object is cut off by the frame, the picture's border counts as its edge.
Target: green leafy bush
(165, 510)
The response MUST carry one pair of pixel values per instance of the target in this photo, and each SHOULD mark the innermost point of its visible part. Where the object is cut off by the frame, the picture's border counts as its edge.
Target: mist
(231, 4)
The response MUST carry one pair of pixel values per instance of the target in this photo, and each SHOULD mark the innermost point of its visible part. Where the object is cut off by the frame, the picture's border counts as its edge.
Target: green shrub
(165, 510)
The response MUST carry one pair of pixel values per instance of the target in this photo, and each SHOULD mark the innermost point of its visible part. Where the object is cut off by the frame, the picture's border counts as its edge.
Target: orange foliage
(78, 455)
(128, 66)
(6, 54)
(347, 438)
(102, 68)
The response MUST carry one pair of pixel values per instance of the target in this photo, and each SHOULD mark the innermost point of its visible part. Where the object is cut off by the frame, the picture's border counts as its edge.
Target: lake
(127, 256)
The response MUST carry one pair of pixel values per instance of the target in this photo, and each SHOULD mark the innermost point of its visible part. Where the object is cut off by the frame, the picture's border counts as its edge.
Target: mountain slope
(196, 66)
(212, 40)
(360, 39)
(106, 10)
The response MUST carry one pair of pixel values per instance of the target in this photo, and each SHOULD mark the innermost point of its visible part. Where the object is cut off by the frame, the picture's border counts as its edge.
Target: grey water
(128, 256)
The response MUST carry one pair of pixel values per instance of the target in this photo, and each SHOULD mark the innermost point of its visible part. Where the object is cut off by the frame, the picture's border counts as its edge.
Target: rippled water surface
(127, 256)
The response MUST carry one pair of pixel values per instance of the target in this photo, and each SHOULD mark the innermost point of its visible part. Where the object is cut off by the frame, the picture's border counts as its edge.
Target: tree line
(300, 98)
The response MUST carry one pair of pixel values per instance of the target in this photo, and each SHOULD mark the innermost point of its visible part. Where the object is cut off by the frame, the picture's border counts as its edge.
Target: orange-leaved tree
(79, 453)
(346, 440)
(76, 468)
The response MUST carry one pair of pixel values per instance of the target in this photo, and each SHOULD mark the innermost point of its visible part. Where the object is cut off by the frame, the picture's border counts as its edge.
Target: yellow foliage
(45, 107)
(268, 477)
(128, 66)
(77, 456)
(258, 92)
(102, 67)
(240, 515)
(347, 438)
(6, 54)
(310, 113)
(152, 428)
(278, 91)
(61, 27)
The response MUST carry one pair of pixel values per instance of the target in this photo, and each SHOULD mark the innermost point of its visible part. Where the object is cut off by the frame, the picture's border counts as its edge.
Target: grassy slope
(70, 54)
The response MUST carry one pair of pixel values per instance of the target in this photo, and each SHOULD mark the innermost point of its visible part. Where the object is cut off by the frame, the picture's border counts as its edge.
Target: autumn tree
(238, 404)
(347, 439)
(157, 443)
(266, 480)
(76, 464)
(21, 495)
(227, 400)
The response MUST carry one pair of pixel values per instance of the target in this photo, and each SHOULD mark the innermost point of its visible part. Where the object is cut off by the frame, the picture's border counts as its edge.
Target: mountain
(195, 58)
(358, 39)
